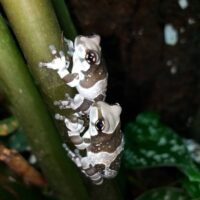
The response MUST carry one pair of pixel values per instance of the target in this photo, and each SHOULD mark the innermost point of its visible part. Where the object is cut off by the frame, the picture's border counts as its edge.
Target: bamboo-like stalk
(64, 18)
(36, 27)
(34, 117)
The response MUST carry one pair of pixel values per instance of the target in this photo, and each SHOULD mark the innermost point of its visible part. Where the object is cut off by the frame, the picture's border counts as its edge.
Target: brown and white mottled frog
(100, 138)
(103, 143)
(88, 74)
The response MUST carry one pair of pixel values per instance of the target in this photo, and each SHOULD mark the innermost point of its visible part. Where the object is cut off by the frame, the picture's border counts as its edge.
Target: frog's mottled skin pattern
(103, 147)
(101, 137)
(89, 78)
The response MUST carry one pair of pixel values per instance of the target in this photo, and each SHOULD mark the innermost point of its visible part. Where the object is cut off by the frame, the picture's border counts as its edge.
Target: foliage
(149, 143)
(8, 125)
(164, 193)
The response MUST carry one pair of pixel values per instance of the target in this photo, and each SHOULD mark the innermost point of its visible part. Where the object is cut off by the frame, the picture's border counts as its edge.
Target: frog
(88, 73)
(102, 142)
(94, 128)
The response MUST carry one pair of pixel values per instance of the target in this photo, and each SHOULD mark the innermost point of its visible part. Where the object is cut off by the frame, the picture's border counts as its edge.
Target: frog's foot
(59, 61)
(64, 104)
(74, 156)
(76, 131)
(90, 172)
(59, 117)
(70, 46)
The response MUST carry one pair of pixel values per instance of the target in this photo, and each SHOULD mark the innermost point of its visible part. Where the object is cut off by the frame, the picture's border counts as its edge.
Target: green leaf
(15, 138)
(164, 193)
(192, 188)
(64, 18)
(17, 141)
(149, 143)
(8, 126)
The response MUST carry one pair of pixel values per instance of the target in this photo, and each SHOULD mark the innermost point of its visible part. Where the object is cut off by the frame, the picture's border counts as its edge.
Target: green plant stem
(65, 20)
(33, 116)
(36, 27)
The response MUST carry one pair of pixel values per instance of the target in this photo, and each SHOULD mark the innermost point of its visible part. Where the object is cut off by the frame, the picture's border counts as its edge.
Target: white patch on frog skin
(79, 64)
(74, 128)
(91, 42)
(80, 51)
(82, 146)
(101, 157)
(93, 115)
(77, 101)
(74, 82)
(111, 116)
(94, 91)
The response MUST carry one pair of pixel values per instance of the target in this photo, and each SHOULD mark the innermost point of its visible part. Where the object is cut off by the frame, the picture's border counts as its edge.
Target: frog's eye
(100, 124)
(91, 57)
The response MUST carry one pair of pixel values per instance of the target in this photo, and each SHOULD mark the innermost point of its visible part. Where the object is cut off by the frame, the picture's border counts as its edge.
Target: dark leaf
(149, 143)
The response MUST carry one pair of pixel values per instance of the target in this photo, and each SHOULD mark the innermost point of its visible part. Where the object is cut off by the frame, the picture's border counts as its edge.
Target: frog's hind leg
(93, 175)
(74, 156)
(75, 130)
(91, 172)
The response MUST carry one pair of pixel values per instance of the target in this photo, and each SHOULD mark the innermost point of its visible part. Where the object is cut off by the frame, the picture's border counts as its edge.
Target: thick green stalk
(36, 27)
(33, 116)
(64, 18)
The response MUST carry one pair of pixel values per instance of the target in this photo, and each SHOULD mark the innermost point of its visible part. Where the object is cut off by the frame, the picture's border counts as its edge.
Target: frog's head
(87, 50)
(104, 119)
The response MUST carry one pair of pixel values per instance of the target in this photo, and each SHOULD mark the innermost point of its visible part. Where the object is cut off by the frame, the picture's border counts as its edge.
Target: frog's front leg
(64, 104)
(82, 162)
(78, 103)
(69, 102)
(75, 128)
(58, 63)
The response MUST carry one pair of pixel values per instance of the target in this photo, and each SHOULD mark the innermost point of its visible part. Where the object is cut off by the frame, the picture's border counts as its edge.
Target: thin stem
(34, 117)
(65, 20)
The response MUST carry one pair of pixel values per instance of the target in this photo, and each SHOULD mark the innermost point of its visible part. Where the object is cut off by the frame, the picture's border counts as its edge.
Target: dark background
(136, 55)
